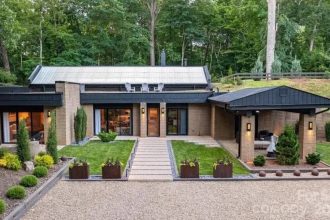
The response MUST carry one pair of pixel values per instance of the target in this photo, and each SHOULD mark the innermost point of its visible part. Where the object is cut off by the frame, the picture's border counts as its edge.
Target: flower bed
(9, 178)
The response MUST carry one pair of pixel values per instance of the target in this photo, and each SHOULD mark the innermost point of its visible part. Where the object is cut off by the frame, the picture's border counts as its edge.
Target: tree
(80, 124)
(276, 66)
(23, 150)
(287, 149)
(258, 68)
(296, 67)
(51, 145)
(271, 36)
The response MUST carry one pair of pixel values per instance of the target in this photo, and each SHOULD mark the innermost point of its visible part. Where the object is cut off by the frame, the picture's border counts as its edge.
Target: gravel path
(185, 200)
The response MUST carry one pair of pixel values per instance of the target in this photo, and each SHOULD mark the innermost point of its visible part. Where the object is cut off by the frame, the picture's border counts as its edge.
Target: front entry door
(153, 122)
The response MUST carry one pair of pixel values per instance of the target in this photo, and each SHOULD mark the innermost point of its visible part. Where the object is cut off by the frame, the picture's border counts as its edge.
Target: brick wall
(89, 109)
(65, 114)
(143, 120)
(199, 119)
(136, 119)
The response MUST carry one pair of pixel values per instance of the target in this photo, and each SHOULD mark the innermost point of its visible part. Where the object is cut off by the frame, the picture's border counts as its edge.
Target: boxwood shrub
(107, 136)
(259, 161)
(313, 158)
(29, 181)
(40, 171)
(2, 206)
(16, 192)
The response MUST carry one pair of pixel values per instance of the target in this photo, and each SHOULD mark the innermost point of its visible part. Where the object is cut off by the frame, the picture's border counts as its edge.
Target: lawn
(206, 156)
(324, 150)
(97, 152)
(317, 86)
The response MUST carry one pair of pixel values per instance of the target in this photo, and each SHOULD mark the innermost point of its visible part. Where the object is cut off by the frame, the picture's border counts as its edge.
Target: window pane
(103, 120)
(25, 116)
(120, 121)
(183, 121)
(37, 126)
(9, 126)
(172, 121)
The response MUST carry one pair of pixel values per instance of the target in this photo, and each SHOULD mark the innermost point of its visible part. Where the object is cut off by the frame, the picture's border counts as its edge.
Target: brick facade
(65, 114)
(89, 109)
(199, 119)
(247, 138)
(307, 137)
(222, 124)
(143, 119)
(162, 120)
(136, 119)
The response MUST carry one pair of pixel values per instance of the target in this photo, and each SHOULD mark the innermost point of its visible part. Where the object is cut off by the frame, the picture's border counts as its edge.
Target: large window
(177, 121)
(118, 120)
(34, 122)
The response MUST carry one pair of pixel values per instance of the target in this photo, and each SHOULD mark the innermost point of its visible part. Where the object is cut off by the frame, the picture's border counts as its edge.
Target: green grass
(317, 86)
(97, 152)
(206, 156)
(324, 150)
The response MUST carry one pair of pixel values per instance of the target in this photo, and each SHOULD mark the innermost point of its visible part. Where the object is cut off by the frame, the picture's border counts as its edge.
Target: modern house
(156, 102)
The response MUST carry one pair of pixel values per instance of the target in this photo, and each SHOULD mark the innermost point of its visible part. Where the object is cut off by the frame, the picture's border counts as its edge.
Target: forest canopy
(226, 35)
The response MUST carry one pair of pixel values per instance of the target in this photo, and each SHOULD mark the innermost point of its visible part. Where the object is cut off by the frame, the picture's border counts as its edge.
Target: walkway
(152, 161)
(185, 200)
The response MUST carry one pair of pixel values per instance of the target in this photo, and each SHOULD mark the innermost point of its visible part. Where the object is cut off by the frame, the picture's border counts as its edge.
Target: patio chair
(271, 150)
(145, 87)
(159, 88)
(129, 87)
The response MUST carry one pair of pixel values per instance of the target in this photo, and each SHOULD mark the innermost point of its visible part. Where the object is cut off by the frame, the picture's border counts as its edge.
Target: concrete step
(151, 163)
(150, 172)
(150, 178)
(153, 159)
(150, 167)
(151, 154)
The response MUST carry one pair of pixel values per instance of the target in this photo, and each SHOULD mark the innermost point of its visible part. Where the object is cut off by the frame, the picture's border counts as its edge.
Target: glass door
(153, 122)
(177, 122)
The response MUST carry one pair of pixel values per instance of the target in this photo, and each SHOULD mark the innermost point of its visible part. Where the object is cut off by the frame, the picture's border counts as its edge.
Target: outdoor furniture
(159, 88)
(272, 146)
(129, 87)
(261, 145)
(145, 87)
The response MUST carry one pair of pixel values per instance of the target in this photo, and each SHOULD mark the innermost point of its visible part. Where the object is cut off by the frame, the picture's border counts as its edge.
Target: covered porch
(243, 121)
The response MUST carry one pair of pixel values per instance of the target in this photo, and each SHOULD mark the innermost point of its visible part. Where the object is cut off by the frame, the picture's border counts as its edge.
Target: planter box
(111, 172)
(79, 172)
(223, 171)
(187, 171)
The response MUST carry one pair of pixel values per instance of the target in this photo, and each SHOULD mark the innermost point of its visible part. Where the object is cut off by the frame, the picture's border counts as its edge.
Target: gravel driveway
(185, 200)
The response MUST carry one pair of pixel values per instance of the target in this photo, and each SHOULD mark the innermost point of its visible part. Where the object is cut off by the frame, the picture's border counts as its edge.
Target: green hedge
(327, 131)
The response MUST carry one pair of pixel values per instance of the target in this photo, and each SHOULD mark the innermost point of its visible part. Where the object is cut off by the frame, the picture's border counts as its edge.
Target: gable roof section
(281, 97)
(47, 75)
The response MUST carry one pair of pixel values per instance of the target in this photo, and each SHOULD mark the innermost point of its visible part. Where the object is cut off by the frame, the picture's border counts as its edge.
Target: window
(114, 119)
(34, 122)
(177, 121)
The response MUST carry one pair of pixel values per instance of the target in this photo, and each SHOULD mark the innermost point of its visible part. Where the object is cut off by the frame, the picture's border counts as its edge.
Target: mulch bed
(9, 178)
(273, 165)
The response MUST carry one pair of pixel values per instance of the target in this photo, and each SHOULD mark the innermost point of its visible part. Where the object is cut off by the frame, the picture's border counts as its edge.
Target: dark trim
(137, 97)
(31, 99)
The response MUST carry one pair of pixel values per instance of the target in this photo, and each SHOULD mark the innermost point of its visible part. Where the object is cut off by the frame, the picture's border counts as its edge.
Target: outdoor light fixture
(48, 114)
(310, 125)
(143, 110)
(248, 127)
(163, 110)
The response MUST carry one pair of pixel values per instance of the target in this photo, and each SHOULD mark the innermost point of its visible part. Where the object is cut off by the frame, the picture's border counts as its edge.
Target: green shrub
(287, 150)
(327, 131)
(3, 151)
(40, 171)
(7, 77)
(12, 161)
(107, 136)
(2, 206)
(259, 161)
(29, 181)
(51, 145)
(16, 192)
(42, 153)
(46, 161)
(23, 150)
(80, 125)
(313, 158)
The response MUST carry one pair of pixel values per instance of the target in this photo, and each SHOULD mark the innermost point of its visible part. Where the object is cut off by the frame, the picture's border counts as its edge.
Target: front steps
(151, 161)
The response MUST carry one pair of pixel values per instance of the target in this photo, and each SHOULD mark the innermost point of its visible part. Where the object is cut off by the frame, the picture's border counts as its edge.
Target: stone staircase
(201, 140)
(152, 161)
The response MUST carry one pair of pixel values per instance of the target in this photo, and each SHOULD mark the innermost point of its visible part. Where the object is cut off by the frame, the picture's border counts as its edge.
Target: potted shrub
(189, 169)
(111, 169)
(79, 170)
(223, 168)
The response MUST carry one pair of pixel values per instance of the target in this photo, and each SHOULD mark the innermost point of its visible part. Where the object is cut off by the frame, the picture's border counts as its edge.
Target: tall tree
(271, 36)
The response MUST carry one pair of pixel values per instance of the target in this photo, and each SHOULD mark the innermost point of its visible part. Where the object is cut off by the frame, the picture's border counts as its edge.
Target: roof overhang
(168, 97)
(53, 99)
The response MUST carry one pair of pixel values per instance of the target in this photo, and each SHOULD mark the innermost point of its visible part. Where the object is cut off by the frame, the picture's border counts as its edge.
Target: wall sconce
(48, 114)
(310, 125)
(163, 110)
(248, 126)
(143, 110)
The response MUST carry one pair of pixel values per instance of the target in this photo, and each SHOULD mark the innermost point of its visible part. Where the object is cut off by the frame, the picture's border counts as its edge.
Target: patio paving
(185, 200)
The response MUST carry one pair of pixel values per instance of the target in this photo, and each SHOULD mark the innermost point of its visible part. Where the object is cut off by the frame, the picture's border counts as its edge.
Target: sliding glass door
(177, 121)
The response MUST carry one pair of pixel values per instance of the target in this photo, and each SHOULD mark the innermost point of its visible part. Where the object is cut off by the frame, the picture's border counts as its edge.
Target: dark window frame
(178, 108)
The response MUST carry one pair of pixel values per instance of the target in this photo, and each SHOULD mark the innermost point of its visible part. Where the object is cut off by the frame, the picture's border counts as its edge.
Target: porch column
(162, 119)
(47, 120)
(247, 137)
(307, 134)
(213, 121)
(143, 119)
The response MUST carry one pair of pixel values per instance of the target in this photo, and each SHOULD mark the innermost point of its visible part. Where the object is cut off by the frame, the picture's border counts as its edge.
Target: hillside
(317, 86)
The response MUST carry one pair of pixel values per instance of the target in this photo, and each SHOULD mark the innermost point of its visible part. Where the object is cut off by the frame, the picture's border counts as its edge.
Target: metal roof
(278, 98)
(44, 75)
